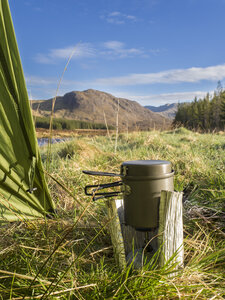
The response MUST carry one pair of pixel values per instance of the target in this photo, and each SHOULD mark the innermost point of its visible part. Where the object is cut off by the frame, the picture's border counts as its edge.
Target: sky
(151, 51)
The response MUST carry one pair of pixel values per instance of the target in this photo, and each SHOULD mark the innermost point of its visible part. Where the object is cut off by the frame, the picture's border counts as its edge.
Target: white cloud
(213, 73)
(45, 87)
(114, 14)
(115, 45)
(159, 99)
(118, 18)
(79, 51)
(50, 81)
(38, 86)
(108, 50)
(117, 49)
(133, 18)
(35, 80)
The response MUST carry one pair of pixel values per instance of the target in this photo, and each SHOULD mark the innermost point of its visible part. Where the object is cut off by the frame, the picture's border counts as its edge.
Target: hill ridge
(95, 106)
(167, 110)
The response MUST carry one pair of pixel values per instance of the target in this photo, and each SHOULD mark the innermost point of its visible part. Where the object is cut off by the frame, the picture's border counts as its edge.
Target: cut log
(171, 229)
(116, 234)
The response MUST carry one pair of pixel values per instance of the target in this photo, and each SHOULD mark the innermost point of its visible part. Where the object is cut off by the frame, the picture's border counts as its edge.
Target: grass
(71, 257)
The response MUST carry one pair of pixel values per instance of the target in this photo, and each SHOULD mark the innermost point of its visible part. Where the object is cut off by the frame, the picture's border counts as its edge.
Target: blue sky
(151, 51)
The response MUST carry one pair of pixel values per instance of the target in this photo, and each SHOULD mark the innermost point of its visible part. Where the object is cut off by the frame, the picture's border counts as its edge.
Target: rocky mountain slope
(167, 110)
(100, 107)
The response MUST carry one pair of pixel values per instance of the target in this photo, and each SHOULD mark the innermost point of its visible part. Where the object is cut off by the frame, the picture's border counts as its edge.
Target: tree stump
(116, 234)
(130, 244)
(171, 229)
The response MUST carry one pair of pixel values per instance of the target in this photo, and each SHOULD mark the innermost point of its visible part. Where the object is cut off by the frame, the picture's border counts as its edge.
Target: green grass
(71, 257)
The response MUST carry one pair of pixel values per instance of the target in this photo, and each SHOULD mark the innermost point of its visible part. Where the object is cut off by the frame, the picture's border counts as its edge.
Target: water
(44, 141)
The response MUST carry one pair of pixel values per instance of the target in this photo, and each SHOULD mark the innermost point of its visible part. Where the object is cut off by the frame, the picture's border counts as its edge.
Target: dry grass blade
(210, 223)
(59, 292)
(106, 125)
(25, 277)
(117, 125)
(53, 107)
(101, 250)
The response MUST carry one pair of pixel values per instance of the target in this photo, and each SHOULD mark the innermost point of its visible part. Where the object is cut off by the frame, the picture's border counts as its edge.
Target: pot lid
(146, 167)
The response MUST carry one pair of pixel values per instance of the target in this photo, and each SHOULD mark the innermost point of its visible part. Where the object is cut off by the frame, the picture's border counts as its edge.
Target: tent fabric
(24, 193)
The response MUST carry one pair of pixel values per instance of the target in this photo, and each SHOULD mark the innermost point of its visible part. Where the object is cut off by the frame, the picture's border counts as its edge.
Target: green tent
(23, 190)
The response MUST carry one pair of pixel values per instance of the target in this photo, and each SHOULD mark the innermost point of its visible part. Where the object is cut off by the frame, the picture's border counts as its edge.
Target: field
(44, 133)
(71, 256)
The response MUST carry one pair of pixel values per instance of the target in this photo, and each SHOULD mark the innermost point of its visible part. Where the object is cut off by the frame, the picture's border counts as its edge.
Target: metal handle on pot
(98, 187)
(96, 173)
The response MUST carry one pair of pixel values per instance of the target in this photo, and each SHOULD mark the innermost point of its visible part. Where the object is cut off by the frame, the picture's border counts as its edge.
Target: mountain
(167, 110)
(96, 106)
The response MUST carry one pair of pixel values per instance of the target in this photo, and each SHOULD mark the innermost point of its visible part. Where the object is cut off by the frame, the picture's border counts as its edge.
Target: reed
(117, 124)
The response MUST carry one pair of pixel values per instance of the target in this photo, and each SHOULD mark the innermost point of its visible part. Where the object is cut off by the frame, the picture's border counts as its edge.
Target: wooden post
(116, 234)
(129, 243)
(171, 229)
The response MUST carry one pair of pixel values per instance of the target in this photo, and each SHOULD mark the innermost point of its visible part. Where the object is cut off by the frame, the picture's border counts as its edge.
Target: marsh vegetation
(71, 256)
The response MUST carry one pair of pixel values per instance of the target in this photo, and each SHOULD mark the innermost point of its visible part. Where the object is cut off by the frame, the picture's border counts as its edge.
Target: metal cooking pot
(141, 186)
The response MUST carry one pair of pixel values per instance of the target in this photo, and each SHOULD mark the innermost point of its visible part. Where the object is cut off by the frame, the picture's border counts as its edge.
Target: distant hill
(167, 110)
(96, 106)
